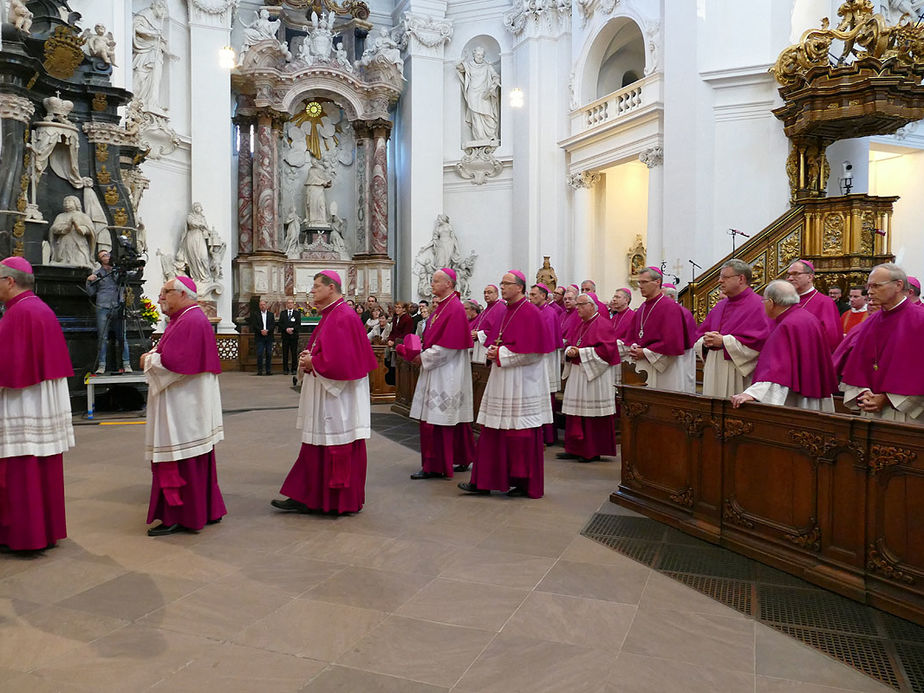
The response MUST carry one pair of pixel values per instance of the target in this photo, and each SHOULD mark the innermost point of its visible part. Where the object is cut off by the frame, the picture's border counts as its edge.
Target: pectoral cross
(498, 341)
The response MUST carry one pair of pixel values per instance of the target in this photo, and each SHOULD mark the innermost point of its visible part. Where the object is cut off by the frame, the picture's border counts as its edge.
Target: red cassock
(32, 351)
(332, 478)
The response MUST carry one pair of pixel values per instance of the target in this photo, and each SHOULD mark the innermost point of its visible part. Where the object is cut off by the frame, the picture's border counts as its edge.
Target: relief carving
(833, 235)
(810, 540)
(634, 409)
(731, 512)
(684, 497)
(878, 561)
(883, 456)
(736, 427)
(817, 445)
(692, 423)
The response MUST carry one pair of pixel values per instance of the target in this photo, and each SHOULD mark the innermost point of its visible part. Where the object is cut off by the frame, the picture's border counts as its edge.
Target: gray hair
(739, 267)
(593, 284)
(626, 293)
(471, 304)
(23, 280)
(782, 293)
(896, 273)
(183, 289)
(592, 303)
(670, 292)
(652, 273)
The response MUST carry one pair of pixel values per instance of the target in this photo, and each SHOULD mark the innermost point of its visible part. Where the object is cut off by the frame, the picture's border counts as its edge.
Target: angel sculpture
(20, 16)
(100, 44)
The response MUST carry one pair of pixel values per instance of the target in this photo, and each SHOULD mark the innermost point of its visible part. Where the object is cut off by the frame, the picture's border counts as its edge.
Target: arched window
(624, 58)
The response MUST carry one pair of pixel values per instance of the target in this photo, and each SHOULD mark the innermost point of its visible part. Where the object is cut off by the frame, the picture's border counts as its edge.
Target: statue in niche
(337, 227)
(20, 16)
(315, 201)
(193, 255)
(318, 44)
(480, 91)
(546, 274)
(293, 224)
(100, 44)
(383, 49)
(73, 236)
(263, 28)
(149, 50)
(443, 250)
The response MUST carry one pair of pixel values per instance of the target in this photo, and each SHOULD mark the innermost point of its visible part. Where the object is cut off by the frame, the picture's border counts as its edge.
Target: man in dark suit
(263, 324)
(290, 319)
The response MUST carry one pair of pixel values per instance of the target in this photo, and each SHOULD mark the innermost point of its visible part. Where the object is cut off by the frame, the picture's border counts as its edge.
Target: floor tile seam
(43, 663)
(822, 686)
(383, 673)
(474, 661)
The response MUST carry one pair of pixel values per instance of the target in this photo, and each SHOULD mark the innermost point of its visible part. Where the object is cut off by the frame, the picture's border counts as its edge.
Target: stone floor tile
(766, 684)
(369, 588)
(336, 679)
(422, 651)
(469, 604)
(528, 540)
(335, 545)
(132, 595)
(623, 583)
(693, 638)
(663, 592)
(513, 663)
(498, 568)
(413, 556)
(291, 574)
(637, 674)
(53, 581)
(584, 550)
(308, 628)
(587, 623)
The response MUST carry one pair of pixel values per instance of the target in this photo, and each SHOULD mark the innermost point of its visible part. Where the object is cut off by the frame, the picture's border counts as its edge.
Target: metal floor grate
(882, 646)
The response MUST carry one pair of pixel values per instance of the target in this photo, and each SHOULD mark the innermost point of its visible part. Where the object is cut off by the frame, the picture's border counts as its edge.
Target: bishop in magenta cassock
(589, 401)
(35, 414)
(794, 368)
(516, 403)
(732, 335)
(334, 412)
(184, 416)
(661, 338)
(538, 295)
(485, 321)
(443, 397)
(801, 274)
(621, 321)
(879, 377)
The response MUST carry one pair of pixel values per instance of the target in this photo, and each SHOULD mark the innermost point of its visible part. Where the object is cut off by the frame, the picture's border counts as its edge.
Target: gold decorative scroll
(63, 52)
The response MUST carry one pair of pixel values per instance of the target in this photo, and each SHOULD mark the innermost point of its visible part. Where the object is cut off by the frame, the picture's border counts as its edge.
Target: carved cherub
(100, 44)
(19, 16)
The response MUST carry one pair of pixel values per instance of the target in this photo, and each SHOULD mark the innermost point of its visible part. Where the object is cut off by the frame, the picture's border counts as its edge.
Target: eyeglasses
(793, 274)
(583, 303)
(878, 285)
(508, 283)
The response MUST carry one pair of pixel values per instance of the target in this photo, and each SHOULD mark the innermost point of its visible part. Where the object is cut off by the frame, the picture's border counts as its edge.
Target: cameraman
(103, 284)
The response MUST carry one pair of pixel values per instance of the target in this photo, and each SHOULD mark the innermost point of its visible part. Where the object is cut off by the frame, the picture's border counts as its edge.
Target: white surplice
(773, 393)
(589, 386)
(184, 413)
(334, 412)
(677, 373)
(517, 393)
(553, 369)
(898, 408)
(723, 377)
(444, 388)
(36, 420)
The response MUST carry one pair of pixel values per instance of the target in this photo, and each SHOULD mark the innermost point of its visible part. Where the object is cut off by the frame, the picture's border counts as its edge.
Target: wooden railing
(833, 499)
(844, 237)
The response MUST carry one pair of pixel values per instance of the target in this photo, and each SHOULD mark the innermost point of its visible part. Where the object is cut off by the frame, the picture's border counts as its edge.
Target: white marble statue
(167, 265)
(480, 91)
(319, 43)
(193, 252)
(263, 28)
(100, 44)
(384, 50)
(19, 16)
(217, 248)
(895, 9)
(337, 228)
(293, 224)
(315, 201)
(73, 236)
(342, 59)
(149, 50)
(443, 250)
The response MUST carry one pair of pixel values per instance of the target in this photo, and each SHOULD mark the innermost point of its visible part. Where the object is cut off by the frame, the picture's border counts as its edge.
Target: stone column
(210, 126)
(372, 177)
(244, 187)
(653, 158)
(424, 34)
(15, 115)
(583, 238)
(265, 193)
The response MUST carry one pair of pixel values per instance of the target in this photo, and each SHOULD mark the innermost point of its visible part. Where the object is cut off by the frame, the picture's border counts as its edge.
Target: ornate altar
(313, 116)
(62, 191)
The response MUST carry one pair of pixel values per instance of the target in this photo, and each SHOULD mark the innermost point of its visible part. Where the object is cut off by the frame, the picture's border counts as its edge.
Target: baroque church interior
(250, 145)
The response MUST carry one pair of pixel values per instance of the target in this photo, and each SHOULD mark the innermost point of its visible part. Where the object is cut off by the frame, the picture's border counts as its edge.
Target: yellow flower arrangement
(149, 311)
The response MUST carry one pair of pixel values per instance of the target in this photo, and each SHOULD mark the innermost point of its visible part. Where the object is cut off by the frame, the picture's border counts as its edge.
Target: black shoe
(427, 475)
(163, 530)
(214, 522)
(259, 372)
(294, 381)
(585, 460)
(566, 456)
(460, 467)
(290, 505)
(517, 492)
(269, 372)
(469, 487)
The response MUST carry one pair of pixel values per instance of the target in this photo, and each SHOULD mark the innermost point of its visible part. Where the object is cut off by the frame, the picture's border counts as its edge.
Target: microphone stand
(693, 270)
